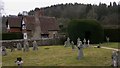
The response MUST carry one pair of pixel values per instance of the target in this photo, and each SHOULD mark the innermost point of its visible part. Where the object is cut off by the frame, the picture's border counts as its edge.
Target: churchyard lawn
(111, 45)
(59, 56)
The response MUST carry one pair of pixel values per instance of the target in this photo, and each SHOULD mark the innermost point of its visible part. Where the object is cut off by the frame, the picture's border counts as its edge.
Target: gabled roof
(14, 21)
(46, 23)
(29, 21)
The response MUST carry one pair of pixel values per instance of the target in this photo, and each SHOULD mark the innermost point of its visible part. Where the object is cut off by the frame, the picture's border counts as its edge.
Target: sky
(13, 7)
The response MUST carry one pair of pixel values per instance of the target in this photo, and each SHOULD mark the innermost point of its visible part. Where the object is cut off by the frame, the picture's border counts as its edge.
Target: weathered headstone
(67, 43)
(80, 49)
(78, 39)
(118, 58)
(84, 42)
(19, 46)
(79, 43)
(26, 46)
(35, 46)
(107, 39)
(114, 58)
(13, 47)
(72, 44)
(4, 51)
(88, 42)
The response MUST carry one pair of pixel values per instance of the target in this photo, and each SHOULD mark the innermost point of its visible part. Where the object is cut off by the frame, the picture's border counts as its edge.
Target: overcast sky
(13, 7)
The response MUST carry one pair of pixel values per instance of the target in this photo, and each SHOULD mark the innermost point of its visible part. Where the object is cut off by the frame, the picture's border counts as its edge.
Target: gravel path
(108, 48)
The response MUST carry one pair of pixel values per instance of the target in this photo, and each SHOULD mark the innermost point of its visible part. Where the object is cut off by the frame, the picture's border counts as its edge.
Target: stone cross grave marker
(88, 42)
(19, 46)
(114, 58)
(84, 42)
(108, 39)
(35, 46)
(26, 46)
(67, 43)
(13, 47)
(73, 46)
(80, 49)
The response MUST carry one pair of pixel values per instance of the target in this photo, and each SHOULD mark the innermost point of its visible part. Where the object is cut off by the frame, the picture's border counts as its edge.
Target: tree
(114, 4)
(110, 4)
(85, 28)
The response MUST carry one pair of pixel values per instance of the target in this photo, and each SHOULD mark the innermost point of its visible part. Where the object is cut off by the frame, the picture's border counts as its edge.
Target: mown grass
(59, 56)
(112, 45)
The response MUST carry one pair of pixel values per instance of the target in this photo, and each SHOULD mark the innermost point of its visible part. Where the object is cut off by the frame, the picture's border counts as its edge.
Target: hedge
(85, 28)
(113, 34)
(11, 36)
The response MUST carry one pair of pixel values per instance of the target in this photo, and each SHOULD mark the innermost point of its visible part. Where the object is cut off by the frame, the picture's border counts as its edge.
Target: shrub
(84, 28)
(11, 36)
(113, 34)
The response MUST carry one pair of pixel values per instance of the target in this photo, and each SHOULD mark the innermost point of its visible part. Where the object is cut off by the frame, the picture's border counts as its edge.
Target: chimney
(39, 12)
(25, 13)
(37, 30)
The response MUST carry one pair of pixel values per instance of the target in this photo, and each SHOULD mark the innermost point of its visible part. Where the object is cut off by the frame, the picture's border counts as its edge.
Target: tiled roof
(15, 21)
(46, 23)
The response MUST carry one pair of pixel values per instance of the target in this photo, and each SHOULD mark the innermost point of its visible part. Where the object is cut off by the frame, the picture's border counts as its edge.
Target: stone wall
(40, 42)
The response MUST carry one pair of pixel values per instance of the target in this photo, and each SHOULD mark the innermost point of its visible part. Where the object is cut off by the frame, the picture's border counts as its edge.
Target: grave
(35, 46)
(26, 46)
(67, 43)
(84, 43)
(72, 44)
(88, 42)
(4, 51)
(80, 49)
(13, 47)
(19, 46)
(114, 58)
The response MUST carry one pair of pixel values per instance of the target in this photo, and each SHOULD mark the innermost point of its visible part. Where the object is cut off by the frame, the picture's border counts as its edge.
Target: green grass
(112, 45)
(59, 56)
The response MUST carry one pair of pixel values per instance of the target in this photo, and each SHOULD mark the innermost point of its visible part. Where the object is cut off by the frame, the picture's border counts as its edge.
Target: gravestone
(114, 58)
(79, 42)
(108, 39)
(67, 43)
(26, 46)
(84, 42)
(118, 58)
(88, 42)
(13, 47)
(80, 49)
(72, 44)
(78, 39)
(35, 46)
(19, 46)
(4, 51)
